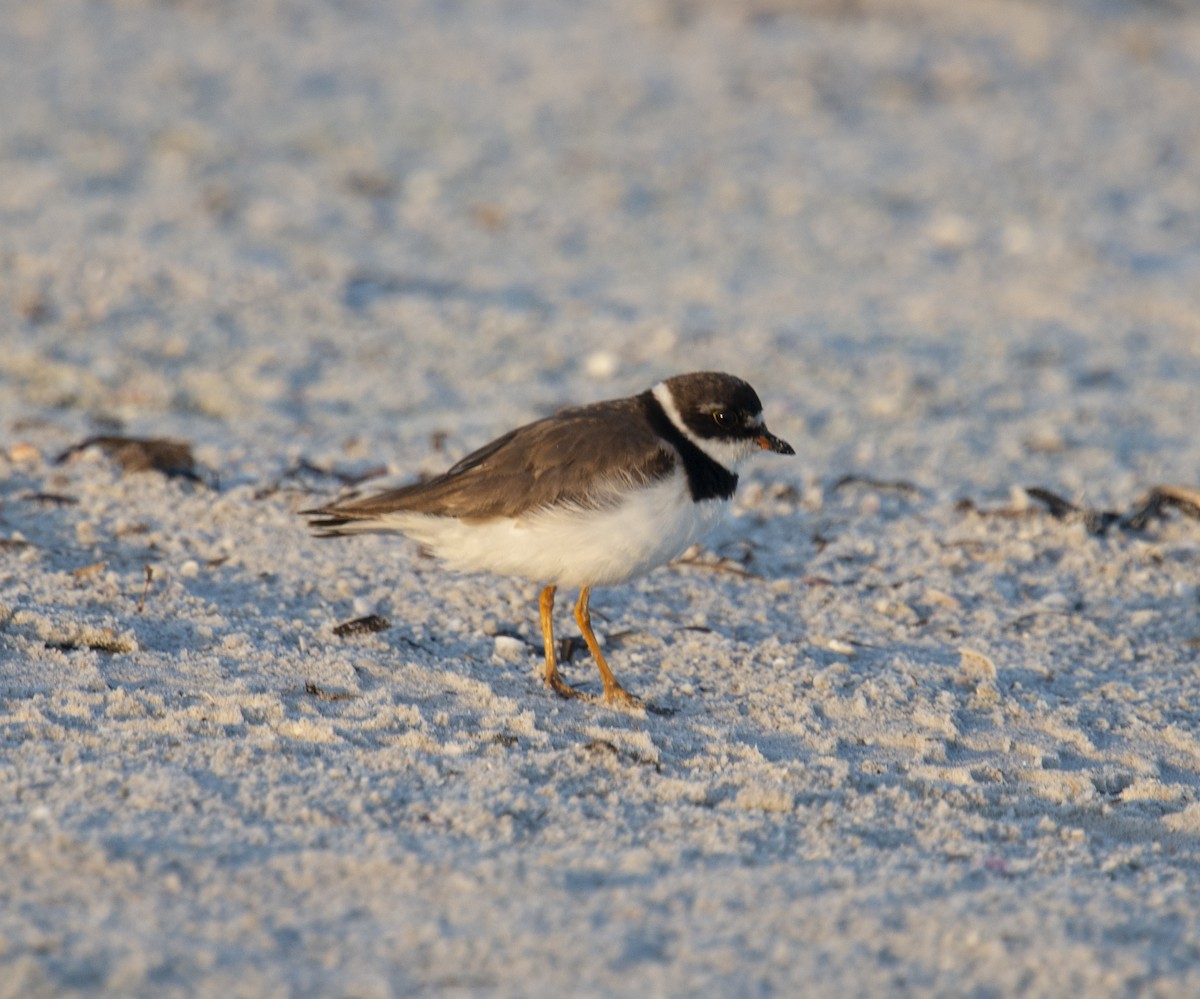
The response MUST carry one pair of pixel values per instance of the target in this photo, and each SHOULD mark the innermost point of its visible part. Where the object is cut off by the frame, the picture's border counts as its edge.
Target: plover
(591, 496)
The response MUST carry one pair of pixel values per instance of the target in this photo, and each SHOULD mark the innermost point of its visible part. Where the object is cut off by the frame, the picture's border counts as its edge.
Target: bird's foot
(614, 697)
(560, 686)
(618, 697)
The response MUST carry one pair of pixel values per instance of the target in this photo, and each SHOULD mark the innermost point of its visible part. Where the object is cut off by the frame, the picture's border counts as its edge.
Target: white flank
(569, 546)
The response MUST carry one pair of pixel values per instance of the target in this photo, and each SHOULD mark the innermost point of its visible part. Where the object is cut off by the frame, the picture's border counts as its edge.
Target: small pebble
(508, 648)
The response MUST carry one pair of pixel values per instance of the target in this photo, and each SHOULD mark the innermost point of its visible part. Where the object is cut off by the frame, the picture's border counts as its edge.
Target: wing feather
(581, 457)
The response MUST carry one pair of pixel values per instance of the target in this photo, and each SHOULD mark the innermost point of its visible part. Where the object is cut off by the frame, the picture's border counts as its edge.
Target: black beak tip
(769, 442)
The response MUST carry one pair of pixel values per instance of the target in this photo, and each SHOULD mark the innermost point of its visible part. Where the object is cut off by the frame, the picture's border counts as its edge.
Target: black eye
(722, 418)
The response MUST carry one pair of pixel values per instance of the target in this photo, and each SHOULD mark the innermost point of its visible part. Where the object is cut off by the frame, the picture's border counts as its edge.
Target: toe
(618, 697)
(559, 687)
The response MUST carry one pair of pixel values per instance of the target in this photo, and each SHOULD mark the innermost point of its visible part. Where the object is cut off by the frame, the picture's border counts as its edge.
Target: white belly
(572, 547)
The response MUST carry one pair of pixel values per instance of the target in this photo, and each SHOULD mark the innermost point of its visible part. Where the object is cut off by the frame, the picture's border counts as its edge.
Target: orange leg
(553, 680)
(614, 693)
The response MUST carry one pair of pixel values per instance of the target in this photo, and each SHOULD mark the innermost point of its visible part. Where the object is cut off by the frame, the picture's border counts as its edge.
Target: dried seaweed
(1096, 521)
(100, 639)
(328, 695)
(714, 563)
(54, 499)
(142, 454)
(880, 485)
(1160, 499)
(362, 626)
(305, 468)
(149, 571)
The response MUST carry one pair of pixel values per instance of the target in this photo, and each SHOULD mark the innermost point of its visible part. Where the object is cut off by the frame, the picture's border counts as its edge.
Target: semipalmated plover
(591, 496)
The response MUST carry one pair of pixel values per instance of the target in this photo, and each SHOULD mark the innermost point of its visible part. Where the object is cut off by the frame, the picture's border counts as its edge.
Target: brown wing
(579, 456)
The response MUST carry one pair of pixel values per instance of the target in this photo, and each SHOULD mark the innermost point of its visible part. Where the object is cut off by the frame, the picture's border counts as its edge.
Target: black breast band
(707, 479)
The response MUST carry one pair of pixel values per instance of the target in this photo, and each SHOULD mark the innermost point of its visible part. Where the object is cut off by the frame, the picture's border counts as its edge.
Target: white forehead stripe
(662, 393)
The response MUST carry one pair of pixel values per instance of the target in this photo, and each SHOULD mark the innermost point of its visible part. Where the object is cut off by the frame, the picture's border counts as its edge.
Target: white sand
(916, 750)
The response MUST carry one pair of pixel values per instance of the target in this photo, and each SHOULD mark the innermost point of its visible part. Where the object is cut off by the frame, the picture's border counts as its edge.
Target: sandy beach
(933, 686)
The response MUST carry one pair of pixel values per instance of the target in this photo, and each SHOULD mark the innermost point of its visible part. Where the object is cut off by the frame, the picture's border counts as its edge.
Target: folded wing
(581, 457)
